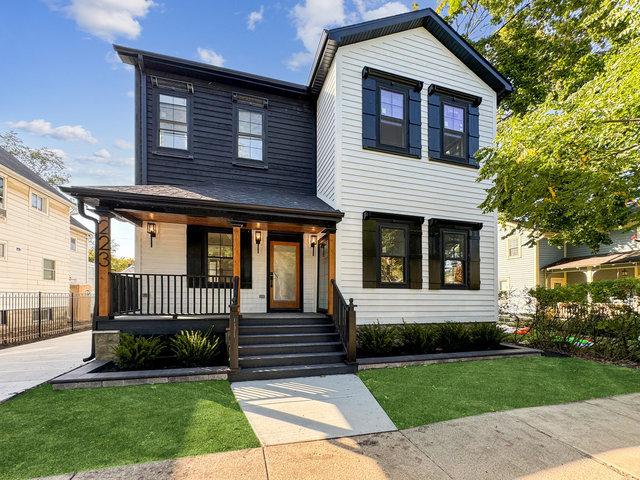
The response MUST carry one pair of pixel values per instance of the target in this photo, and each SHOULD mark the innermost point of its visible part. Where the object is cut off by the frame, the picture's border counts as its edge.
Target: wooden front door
(284, 275)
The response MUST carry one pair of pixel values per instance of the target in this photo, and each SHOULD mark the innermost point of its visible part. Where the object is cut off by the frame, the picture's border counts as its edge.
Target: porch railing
(165, 294)
(234, 326)
(344, 317)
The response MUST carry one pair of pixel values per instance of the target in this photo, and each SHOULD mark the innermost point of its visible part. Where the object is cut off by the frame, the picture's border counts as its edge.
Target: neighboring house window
(3, 193)
(454, 254)
(174, 126)
(513, 247)
(250, 134)
(38, 202)
(391, 113)
(391, 250)
(220, 254)
(49, 269)
(454, 130)
(504, 285)
(3, 250)
(73, 245)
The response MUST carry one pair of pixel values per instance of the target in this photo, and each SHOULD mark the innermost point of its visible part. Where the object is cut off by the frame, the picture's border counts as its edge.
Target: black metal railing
(166, 294)
(344, 318)
(29, 316)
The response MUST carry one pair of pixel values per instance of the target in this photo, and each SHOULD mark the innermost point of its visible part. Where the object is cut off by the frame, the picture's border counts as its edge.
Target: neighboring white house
(521, 266)
(42, 247)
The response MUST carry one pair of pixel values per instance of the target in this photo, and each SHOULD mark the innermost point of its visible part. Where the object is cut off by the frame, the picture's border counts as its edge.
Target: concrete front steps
(287, 345)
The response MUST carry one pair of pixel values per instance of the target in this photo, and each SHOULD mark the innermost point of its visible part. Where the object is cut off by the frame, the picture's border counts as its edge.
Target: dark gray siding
(290, 141)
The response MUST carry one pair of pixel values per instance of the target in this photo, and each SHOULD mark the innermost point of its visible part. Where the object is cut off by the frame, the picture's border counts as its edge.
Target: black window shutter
(415, 124)
(415, 257)
(435, 260)
(195, 250)
(369, 253)
(246, 251)
(435, 127)
(369, 112)
(474, 134)
(474, 260)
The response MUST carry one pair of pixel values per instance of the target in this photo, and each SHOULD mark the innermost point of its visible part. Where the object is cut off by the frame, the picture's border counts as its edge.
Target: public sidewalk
(590, 440)
(26, 366)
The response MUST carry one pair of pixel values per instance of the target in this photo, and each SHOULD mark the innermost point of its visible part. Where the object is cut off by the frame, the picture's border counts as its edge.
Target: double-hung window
(513, 247)
(455, 256)
(48, 269)
(174, 125)
(3, 250)
(392, 119)
(220, 254)
(73, 245)
(454, 131)
(392, 241)
(3, 193)
(250, 134)
(38, 202)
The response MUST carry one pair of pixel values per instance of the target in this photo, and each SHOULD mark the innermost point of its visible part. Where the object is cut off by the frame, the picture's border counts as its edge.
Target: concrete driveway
(25, 366)
(591, 440)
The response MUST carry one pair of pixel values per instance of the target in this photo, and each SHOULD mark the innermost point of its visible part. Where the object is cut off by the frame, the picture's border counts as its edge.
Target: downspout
(83, 214)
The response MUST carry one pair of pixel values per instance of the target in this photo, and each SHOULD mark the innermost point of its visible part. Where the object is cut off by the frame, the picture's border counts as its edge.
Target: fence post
(39, 314)
(73, 308)
(232, 337)
(351, 329)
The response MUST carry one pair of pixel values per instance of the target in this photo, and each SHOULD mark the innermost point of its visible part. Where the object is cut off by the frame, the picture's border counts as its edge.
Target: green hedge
(607, 291)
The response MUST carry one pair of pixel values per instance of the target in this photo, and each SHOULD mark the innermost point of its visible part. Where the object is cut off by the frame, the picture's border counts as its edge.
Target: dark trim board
(163, 325)
(325, 240)
(287, 237)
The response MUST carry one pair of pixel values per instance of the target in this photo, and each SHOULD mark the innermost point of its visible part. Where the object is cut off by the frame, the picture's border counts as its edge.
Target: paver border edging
(511, 350)
(86, 376)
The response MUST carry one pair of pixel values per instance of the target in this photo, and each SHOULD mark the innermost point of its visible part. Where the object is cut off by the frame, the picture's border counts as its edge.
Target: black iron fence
(28, 316)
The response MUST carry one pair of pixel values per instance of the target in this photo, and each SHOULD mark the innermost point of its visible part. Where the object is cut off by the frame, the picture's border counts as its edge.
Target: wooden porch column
(236, 256)
(332, 270)
(103, 256)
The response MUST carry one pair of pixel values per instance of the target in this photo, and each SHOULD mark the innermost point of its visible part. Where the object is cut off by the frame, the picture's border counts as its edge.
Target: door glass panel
(323, 275)
(285, 273)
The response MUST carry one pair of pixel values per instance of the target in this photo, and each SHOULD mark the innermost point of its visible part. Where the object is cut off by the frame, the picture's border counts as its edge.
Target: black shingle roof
(77, 224)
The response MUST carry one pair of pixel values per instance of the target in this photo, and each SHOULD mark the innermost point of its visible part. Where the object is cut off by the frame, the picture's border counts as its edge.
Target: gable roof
(337, 37)
(16, 166)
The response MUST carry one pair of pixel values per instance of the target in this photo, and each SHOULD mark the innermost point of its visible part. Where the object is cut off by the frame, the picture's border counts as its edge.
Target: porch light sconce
(314, 242)
(151, 230)
(258, 239)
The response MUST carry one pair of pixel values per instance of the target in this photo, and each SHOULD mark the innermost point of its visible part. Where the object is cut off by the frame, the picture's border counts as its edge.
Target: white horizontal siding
(326, 142)
(390, 183)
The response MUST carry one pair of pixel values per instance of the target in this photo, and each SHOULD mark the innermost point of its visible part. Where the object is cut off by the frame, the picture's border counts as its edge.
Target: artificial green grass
(419, 395)
(46, 431)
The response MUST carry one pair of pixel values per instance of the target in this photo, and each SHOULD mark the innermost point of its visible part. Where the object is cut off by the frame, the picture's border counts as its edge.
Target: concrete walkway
(592, 440)
(25, 366)
(310, 408)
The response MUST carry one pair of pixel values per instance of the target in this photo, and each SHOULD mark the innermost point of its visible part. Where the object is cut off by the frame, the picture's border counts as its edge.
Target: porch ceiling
(608, 260)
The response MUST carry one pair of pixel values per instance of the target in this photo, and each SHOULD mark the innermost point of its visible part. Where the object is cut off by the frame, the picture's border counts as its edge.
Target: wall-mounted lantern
(314, 242)
(258, 239)
(151, 230)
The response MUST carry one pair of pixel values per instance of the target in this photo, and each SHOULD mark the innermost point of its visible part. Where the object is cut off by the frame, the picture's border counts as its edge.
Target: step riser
(283, 321)
(243, 376)
(274, 330)
(301, 338)
(279, 361)
(260, 350)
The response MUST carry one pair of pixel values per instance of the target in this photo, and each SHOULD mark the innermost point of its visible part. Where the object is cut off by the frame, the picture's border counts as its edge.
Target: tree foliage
(45, 162)
(118, 264)
(567, 156)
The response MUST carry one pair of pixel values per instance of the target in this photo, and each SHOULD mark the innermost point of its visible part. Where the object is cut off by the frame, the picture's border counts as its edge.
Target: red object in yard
(523, 331)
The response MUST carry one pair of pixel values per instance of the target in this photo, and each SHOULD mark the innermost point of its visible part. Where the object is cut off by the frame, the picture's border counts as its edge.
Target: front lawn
(418, 395)
(45, 432)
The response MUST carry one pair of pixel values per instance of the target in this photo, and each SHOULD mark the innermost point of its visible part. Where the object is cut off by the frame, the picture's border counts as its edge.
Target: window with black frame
(393, 255)
(393, 122)
(173, 131)
(454, 253)
(454, 134)
(250, 134)
(220, 254)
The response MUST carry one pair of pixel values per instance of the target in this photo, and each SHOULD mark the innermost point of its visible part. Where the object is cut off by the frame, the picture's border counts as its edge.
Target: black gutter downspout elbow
(96, 284)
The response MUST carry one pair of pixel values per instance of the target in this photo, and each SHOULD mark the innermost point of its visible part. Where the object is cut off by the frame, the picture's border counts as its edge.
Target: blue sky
(64, 88)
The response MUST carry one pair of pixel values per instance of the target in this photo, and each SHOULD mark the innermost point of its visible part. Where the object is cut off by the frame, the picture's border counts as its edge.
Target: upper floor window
(3, 193)
(38, 202)
(513, 247)
(391, 113)
(250, 134)
(174, 126)
(453, 126)
(73, 245)
(3, 250)
(49, 269)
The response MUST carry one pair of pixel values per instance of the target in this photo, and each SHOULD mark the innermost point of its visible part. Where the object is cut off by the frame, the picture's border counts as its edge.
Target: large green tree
(47, 163)
(567, 154)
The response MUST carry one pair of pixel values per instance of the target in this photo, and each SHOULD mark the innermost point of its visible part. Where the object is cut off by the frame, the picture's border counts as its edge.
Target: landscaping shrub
(194, 348)
(376, 339)
(485, 336)
(137, 352)
(417, 338)
(453, 337)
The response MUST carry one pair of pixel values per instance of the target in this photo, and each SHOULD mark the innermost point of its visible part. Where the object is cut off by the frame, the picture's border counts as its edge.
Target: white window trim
(73, 240)
(3, 203)
(45, 200)
(519, 240)
(54, 270)
(508, 281)
(5, 257)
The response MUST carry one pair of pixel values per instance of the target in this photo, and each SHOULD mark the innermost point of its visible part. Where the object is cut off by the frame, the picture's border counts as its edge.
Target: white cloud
(313, 16)
(103, 153)
(255, 17)
(122, 144)
(210, 57)
(109, 19)
(63, 132)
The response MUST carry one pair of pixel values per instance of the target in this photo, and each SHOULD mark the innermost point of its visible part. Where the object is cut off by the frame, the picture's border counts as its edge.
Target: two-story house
(42, 247)
(359, 184)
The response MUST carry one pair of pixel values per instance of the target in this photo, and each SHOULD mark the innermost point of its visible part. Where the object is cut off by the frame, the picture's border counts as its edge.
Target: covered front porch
(580, 270)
